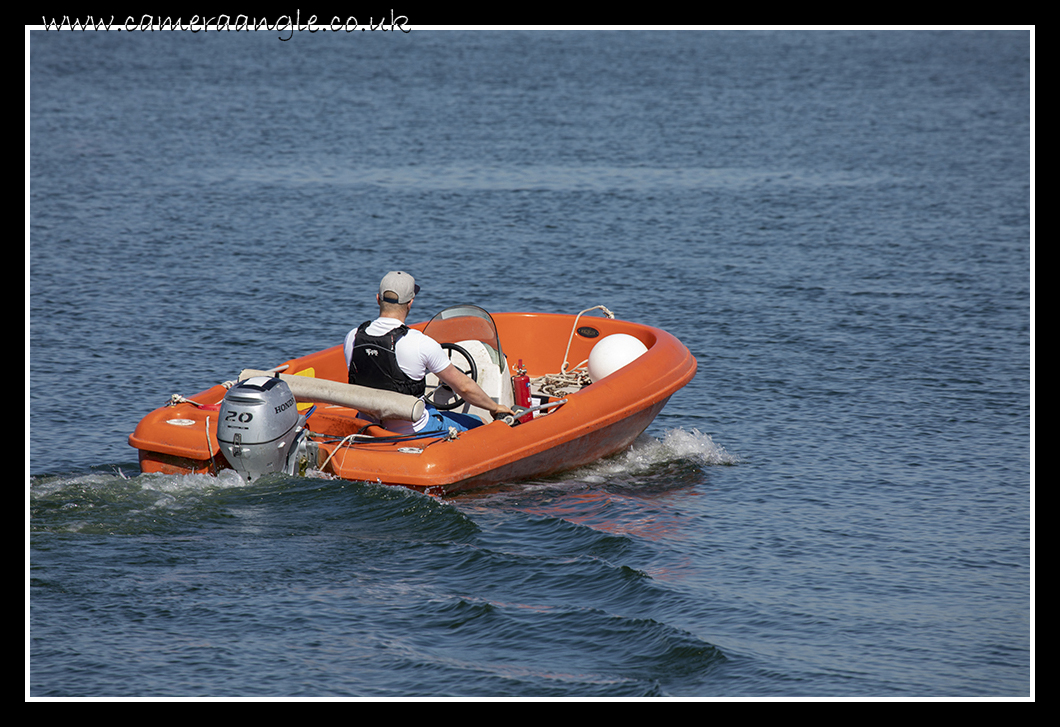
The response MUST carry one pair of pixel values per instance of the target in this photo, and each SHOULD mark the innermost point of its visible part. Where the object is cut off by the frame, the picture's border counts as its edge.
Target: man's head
(396, 290)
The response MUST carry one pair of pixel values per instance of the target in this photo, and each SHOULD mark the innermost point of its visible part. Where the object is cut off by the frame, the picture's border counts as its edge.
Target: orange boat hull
(597, 421)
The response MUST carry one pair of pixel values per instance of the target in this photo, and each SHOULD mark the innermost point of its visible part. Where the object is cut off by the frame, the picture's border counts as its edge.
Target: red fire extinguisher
(521, 382)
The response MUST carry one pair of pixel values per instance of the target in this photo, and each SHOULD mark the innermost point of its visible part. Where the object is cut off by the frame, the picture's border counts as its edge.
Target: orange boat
(310, 419)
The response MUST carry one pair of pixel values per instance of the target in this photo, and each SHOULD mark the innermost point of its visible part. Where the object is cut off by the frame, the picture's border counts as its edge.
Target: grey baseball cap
(397, 287)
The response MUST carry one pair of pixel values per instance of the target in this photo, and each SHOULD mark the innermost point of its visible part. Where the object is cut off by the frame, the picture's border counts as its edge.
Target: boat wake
(678, 451)
(678, 458)
(681, 444)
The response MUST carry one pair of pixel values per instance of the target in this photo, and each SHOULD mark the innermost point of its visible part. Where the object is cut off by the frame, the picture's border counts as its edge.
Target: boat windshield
(464, 323)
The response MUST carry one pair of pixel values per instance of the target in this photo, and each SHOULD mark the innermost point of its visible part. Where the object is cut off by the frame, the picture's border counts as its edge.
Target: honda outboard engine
(259, 429)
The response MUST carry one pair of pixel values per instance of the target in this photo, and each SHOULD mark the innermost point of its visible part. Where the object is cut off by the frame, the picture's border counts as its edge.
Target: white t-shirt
(416, 355)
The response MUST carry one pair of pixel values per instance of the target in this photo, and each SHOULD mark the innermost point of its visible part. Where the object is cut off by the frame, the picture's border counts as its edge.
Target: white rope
(609, 314)
(178, 399)
(346, 441)
(560, 385)
(209, 446)
(568, 379)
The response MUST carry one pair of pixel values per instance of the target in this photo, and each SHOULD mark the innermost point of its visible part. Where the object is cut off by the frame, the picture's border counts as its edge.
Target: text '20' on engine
(259, 429)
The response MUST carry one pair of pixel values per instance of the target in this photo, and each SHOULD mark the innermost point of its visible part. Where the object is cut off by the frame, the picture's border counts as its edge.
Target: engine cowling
(259, 428)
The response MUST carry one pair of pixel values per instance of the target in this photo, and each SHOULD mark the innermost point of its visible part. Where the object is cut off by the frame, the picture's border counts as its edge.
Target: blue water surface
(836, 223)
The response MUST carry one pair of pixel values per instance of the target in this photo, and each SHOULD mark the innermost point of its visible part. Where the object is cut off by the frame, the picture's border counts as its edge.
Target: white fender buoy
(612, 353)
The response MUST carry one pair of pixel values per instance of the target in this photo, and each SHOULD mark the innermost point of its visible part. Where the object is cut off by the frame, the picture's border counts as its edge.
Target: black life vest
(374, 362)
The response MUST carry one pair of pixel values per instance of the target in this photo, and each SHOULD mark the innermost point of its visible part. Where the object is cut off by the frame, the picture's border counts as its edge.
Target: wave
(680, 455)
(677, 450)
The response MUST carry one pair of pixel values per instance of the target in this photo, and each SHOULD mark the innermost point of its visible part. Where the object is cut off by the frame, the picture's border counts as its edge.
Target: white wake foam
(648, 453)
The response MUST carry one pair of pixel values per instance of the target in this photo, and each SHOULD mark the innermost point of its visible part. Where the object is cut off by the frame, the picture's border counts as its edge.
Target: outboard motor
(259, 429)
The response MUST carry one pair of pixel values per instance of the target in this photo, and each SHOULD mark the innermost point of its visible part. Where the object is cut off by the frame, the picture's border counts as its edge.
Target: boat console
(469, 335)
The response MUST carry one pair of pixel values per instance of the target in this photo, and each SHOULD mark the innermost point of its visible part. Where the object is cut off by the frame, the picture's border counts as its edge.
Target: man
(387, 354)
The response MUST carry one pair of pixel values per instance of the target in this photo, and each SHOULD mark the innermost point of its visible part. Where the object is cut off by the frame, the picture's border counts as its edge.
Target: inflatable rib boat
(302, 415)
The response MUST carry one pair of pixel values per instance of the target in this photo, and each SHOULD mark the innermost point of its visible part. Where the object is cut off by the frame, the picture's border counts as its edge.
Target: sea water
(836, 223)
